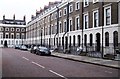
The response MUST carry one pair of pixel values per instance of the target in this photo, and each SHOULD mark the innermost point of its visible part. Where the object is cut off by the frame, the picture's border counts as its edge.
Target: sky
(21, 8)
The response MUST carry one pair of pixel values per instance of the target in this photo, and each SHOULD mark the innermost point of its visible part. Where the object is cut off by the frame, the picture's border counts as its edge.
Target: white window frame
(71, 8)
(65, 28)
(60, 29)
(97, 18)
(48, 18)
(78, 2)
(17, 35)
(1, 29)
(7, 34)
(12, 29)
(48, 30)
(65, 9)
(22, 29)
(52, 17)
(18, 30)
(11, 35)
(51, 28)
(70, 24)
(1, 35)
(7, 29)
(60, 13)
(87, 3)
(105, 15)
(55, 15)
(77, 22)
(22, 36)
(87, 20)
(55, 27)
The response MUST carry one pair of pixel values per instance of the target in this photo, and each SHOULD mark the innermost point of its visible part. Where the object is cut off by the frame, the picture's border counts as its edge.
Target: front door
(5, 44)
(66, 42)
(98, 42)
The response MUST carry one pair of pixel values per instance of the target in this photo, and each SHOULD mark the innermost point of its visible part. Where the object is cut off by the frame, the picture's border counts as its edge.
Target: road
(17, 63)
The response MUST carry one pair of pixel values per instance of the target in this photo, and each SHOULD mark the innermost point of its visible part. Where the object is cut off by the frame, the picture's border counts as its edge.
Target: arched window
(74, 40)
(106, 39)
(78, 40)
(91, 39)
(85, 40)
(115, 38)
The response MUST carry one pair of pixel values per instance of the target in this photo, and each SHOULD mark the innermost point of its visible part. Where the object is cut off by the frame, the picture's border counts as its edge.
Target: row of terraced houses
(93, 25)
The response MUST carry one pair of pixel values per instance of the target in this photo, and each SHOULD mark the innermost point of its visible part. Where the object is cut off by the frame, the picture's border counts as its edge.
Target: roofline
(10, 25)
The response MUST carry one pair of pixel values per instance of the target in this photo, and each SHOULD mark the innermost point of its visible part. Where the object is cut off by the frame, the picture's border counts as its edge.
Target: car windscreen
(44, 49)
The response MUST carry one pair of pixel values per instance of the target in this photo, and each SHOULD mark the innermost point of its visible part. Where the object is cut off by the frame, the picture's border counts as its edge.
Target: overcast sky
(21, 8)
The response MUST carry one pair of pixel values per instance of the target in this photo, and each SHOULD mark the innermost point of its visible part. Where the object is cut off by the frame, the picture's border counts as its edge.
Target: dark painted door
(98, 42)
(5, 44)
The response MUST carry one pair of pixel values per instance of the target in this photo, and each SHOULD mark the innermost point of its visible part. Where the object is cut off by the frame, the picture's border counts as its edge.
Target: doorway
(66, 42)
(5, 43)
(98, 42)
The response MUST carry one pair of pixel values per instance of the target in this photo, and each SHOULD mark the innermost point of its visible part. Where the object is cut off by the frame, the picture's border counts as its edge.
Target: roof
(11, 25)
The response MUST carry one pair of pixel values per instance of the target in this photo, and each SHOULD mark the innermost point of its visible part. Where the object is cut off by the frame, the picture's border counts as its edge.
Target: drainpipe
(44, 31)
(50, 32)
(41, 36)
(82, 26)
(57, 25)
(67, 30)
(102, 30)
(57, 33)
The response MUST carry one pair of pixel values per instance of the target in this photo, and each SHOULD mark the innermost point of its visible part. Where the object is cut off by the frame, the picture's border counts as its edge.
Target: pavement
(90, 60)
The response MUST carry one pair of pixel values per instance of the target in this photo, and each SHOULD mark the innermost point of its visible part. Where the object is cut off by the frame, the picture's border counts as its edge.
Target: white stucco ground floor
(101, 39)
(11, 42)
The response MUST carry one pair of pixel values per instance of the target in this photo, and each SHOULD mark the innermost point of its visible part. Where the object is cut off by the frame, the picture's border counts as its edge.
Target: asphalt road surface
(18, 63)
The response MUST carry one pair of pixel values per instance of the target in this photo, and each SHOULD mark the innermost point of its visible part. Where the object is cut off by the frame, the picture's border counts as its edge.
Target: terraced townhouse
(12, 32)
(93, 25)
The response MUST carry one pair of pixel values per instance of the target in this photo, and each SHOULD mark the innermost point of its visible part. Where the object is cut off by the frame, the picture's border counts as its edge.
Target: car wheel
(36, 53)
(40, 53)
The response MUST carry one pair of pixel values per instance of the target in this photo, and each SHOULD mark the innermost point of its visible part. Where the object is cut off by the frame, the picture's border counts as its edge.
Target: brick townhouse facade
(92, 25)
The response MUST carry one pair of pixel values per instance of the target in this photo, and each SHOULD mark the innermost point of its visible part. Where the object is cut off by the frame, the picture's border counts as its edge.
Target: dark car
(33, 49)
(43, 51)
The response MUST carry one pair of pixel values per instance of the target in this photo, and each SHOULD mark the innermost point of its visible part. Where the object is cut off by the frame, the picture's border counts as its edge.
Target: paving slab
(85, 59)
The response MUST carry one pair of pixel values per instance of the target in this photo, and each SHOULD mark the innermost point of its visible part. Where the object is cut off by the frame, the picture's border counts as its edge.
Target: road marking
(25, 58)
(57, 74)
(108, 72)
(38, 65)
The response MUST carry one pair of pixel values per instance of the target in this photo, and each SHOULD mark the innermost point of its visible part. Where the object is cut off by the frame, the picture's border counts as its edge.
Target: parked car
(33, 49)
(43, 51)
(17, 46)
(23, 47)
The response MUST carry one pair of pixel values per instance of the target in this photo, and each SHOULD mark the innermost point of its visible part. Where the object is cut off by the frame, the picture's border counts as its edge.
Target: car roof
(43, 47)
